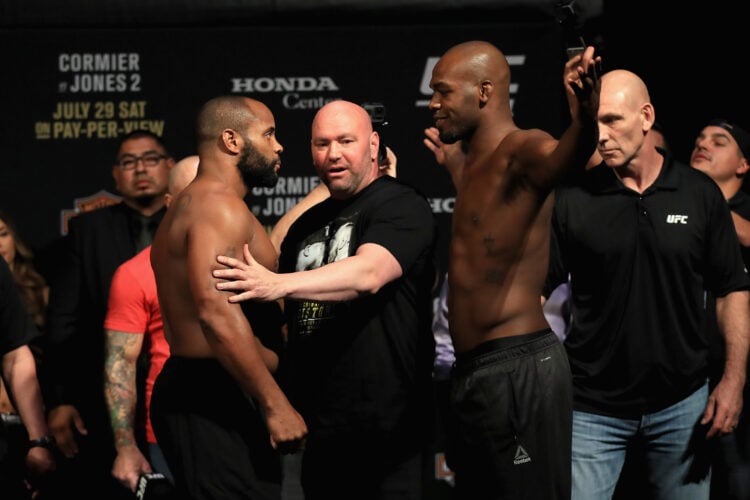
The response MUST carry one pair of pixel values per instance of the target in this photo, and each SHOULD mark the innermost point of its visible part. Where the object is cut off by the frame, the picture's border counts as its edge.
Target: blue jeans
(676, 451)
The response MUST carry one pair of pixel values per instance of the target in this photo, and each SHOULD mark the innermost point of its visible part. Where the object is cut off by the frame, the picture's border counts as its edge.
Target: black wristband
(47, 441)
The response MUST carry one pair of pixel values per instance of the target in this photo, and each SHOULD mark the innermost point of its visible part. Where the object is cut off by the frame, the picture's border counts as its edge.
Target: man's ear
(743, 168)
(485, 91)
(648, 116)
(231, 140)
(374, 146)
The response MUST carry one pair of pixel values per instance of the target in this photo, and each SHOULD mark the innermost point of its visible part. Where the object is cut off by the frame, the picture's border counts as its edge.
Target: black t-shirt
(639, 266)
(16, 326)
(363, 367)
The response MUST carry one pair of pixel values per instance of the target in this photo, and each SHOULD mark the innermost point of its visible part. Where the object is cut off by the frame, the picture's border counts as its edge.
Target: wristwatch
(46, 441)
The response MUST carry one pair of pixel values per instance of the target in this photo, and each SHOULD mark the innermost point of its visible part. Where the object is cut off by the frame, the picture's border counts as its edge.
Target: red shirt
(134, 308)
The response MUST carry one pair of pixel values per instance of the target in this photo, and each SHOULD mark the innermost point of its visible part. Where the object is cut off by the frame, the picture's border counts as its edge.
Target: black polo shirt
(639, 265)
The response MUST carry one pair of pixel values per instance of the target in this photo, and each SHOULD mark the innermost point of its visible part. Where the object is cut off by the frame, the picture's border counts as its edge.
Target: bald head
(344, 148)
(623, 88)
(227, 112)
(343, 112)
(476, 62)
(182, 174)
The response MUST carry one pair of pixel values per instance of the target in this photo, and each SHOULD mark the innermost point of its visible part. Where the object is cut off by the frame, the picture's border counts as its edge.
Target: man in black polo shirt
(642, 237)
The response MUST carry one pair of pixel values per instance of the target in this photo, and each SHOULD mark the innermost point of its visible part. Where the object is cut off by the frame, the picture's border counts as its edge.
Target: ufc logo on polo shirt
(676, 219)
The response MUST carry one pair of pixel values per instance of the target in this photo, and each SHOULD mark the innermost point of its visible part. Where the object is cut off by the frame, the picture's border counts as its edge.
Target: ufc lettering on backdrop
(424, 87)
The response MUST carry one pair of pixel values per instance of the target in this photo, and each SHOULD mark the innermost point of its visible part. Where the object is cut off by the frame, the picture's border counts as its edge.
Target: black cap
(739, 134)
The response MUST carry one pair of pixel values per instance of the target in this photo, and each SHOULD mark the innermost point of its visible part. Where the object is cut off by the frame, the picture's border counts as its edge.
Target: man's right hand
(61, 421)
(128, 466)
(287, 428)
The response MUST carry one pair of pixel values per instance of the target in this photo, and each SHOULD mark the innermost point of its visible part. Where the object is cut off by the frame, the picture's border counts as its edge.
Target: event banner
(67, 95)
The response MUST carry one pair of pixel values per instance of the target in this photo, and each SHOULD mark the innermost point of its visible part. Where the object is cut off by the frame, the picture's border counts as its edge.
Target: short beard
(449, 138)
(144, 200)
(454, 135)
(256, 169)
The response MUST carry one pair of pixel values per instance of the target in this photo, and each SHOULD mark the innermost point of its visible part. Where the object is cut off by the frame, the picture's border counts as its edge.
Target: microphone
(154, 486)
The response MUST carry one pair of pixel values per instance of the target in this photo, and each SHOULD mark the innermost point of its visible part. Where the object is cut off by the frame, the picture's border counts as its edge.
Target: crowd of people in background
(590, 339)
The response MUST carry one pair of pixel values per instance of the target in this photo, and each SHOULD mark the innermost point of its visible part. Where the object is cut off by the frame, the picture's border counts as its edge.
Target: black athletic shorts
(512, 402)
(213, 437)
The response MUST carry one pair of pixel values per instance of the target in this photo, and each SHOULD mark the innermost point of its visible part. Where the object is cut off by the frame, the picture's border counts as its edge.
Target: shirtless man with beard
(218, 413)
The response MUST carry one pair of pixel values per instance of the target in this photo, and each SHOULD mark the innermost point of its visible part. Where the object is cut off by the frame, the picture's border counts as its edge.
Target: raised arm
(576, 147)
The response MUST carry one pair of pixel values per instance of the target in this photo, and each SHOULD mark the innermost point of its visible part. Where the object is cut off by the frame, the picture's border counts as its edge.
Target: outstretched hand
(250, 279)
(450, 156)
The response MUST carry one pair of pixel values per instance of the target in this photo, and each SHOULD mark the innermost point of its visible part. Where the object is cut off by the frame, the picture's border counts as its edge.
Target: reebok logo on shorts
(521, 456)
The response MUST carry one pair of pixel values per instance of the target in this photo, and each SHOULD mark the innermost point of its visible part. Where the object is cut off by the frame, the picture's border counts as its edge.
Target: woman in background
(35, 293)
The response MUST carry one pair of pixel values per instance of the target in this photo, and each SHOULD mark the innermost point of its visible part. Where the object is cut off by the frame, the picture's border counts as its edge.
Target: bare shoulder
(213, 203)
(527, 151)
(211, 218)
(531, 140)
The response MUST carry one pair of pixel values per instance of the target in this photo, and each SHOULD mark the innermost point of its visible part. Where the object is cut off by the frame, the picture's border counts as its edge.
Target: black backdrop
(181, 53)
(72, 92)
(693, 59)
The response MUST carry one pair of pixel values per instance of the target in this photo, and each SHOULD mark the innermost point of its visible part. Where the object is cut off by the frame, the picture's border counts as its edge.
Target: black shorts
(214, 439)
(512, 401)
